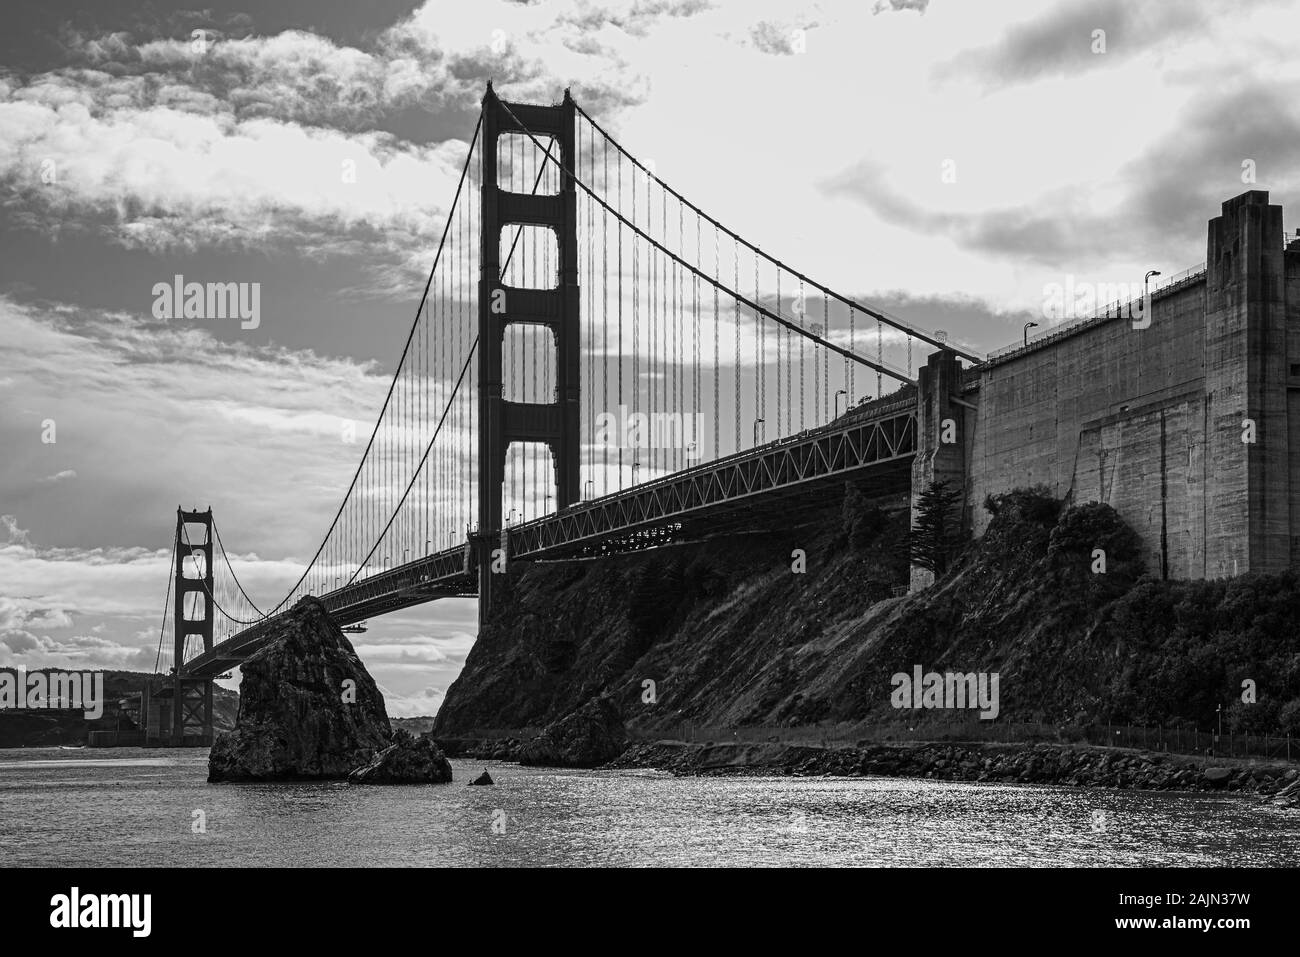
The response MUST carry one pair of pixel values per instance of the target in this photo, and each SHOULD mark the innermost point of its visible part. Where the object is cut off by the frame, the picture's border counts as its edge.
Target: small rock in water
(483, 778)
(408, 760)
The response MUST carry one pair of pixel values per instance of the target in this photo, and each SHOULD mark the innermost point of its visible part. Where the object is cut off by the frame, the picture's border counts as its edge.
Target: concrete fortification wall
(1188, 426)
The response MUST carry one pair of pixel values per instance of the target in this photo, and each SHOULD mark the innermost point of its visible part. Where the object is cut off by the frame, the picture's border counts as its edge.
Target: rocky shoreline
(999, 763)
(1050, 764)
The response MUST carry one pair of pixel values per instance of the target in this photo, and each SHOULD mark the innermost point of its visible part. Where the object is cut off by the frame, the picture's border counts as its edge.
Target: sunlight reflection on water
(137, 809)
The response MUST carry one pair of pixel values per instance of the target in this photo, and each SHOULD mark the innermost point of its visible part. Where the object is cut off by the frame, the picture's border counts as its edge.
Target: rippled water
(135, 807)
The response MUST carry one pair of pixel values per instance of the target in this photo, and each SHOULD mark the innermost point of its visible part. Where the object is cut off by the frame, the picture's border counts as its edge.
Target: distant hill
(43, 729)
(416, 726)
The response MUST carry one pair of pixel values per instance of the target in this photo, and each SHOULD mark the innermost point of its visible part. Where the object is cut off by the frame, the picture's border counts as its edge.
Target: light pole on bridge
(839, 393)
(757, 423)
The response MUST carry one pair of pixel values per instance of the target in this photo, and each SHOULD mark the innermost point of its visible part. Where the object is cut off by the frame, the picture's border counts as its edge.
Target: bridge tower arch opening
(509, 201)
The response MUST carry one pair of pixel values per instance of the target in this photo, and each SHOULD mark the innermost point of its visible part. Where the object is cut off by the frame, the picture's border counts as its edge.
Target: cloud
(60, 476)
(13, 534)
(420, 705)
(1060, 42)
(779, 39)
(896, 5)
(19, 642)
(1155, 204)
(159, 177)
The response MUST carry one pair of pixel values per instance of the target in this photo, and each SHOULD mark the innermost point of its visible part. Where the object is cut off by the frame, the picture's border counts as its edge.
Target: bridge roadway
(746, 490)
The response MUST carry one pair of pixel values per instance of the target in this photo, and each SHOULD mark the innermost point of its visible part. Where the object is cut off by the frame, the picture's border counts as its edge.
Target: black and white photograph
(650, 434)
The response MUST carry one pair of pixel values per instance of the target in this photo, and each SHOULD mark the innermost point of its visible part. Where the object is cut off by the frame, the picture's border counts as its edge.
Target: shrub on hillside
(1288, 718)
(1187, 646)
(1093, 547)
(863, 520)
(1034, 504)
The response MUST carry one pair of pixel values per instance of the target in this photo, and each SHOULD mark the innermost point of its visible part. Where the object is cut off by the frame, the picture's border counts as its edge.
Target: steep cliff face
(308, 707)
(723, 631)
(725, 634)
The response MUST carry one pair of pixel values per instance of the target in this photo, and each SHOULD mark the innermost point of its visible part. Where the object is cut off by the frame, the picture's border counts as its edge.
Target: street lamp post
(757, 423)
(837, 401)
(1146, 292)
(635, 466)
(1029, 325)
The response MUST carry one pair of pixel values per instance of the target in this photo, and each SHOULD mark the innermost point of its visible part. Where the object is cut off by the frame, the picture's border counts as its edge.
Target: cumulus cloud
(1060, 40)
(13, 534)
(1155, 203)
(883, 6)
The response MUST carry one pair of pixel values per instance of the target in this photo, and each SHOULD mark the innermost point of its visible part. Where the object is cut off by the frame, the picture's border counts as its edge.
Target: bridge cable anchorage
(877, 314)
(740, 297)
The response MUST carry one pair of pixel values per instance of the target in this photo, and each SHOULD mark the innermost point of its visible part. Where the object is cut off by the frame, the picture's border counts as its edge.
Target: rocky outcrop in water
(308, 709)
(408, 760)
(483, 778)
(591, 735)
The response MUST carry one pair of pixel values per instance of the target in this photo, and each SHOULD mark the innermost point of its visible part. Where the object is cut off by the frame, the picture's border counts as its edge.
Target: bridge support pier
(943, 423)
(192, 697)
(556, 423)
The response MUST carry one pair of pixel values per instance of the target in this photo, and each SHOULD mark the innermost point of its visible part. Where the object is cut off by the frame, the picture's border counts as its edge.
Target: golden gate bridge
(571, 287)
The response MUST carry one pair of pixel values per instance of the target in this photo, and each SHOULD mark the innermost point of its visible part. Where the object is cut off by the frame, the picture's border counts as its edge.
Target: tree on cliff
(937, 535)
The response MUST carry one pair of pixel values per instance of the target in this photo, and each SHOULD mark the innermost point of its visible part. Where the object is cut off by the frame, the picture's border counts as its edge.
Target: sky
(945, 160)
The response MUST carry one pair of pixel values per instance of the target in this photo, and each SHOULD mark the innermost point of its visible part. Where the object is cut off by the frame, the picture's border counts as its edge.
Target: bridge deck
(730, 493)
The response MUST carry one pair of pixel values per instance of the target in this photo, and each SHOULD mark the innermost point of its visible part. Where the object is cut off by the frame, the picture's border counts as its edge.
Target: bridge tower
(556, 423)
(192, 697)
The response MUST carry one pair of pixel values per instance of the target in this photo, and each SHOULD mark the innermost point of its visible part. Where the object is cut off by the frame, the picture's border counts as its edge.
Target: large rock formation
(408, 760)
(299, 718)
(589, 736)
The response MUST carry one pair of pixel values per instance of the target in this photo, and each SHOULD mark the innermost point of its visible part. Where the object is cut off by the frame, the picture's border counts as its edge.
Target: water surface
(136, 807)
